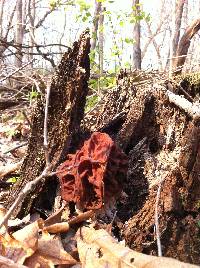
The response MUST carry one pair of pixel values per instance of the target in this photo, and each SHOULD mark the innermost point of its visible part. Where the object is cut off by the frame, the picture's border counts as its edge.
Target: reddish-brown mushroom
(94, 174)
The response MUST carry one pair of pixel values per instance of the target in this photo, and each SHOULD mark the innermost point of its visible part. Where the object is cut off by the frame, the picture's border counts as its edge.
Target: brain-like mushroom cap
(94, 174)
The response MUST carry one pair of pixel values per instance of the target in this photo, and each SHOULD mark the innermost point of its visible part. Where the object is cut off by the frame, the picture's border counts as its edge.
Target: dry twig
(16, 147)
(46, 172)
(15, 71)
(46, 148)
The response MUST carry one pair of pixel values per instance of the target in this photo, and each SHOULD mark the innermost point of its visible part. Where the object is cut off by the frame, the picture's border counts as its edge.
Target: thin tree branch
(15, 71)
(46, 147)
(157, 220)
(16, 147)
(27, 189)
(192, 109)
(27, 119)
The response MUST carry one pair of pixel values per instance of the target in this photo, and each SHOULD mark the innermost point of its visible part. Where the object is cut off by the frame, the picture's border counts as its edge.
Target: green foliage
(116, 51)
(92, 57)
(116, 21)
(129, 40)
(56, 3)
(198, 224)
(11, 132)
(91, 102)
(84, 10)
(13, 179)
(33, 95)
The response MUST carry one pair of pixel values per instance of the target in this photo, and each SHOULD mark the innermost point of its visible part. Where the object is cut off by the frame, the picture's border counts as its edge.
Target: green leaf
(106, 12)
(121, 23)
(84, 18)
(11, 132)
(33, 95)
(13, 179)
(132, 20)
(148, 18)
(88, 14)
(129, 40)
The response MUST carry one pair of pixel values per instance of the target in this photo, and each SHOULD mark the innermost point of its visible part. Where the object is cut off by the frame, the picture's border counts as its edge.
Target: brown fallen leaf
(14, 250)
(7, 263)
(3, 229)
(20, 245)
(29, 235)
(98, 249)
(55, 217)
(49, 253)
(5, 170)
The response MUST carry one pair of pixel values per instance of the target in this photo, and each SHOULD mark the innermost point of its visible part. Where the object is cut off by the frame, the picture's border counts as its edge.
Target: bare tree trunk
(19, 34)
(101, 41)
(98, 6)
(184, 44)
(1, 17)
(31, 14)
(136, 37)
(177, 18)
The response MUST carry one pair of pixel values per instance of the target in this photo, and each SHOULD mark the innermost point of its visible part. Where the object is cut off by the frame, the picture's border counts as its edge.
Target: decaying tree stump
(178, 207)
(162, 142)
(68, 92)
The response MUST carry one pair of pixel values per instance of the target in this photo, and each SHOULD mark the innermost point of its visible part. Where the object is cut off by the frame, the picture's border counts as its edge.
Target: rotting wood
(155, 131)
(66, 107)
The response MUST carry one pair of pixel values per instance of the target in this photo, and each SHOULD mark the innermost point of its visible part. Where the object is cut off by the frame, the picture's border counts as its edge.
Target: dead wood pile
(151, 121)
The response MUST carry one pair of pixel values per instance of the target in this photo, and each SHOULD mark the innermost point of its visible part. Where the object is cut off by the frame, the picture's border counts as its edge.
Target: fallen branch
(15, 71)
(27, 189)
(63, 227)
(157, 230)
(46, 146)
(16, 147)
(191, 109)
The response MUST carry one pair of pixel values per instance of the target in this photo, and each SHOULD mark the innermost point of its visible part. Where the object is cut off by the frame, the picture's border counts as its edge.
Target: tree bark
(98, 6)
(19, 32)
(66, 108)
(31, 14)
(184, 45)
(137, 59)
(178, 13)
(101, 41)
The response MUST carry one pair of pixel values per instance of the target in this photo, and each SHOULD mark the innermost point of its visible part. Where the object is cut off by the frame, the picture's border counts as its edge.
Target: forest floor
(128, 173)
